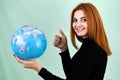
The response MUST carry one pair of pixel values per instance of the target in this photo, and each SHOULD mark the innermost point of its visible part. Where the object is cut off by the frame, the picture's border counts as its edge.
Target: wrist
(38, 68)
(64, 49)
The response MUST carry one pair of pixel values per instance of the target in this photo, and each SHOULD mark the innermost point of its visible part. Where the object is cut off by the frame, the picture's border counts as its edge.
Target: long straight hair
(95, 25)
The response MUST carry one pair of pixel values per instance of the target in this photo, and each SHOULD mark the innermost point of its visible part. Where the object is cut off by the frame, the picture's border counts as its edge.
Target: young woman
(89, 62)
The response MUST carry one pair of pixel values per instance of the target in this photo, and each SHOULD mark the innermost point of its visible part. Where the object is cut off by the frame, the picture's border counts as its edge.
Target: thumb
(61, 32)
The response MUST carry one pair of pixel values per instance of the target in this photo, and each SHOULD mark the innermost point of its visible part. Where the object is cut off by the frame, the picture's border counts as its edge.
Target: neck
(84, 37)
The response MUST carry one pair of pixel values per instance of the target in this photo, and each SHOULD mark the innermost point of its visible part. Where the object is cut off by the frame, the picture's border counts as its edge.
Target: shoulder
(96, 52)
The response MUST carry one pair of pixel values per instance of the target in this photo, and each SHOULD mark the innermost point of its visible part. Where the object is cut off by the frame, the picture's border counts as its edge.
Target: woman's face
(80, 24)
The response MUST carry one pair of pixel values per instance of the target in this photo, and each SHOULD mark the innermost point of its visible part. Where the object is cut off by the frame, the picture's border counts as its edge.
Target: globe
(28, 42)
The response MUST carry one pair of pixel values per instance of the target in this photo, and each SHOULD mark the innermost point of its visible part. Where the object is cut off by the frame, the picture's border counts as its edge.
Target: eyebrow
(82, 17)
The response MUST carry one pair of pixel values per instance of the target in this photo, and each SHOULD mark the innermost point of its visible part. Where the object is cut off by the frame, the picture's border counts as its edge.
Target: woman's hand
(61, 41)
(30, 64)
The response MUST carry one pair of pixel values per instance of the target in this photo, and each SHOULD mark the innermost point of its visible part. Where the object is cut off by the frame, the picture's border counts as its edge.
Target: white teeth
(81, 29)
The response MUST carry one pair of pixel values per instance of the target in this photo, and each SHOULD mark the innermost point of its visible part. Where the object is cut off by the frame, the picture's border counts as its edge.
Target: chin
(82, 35)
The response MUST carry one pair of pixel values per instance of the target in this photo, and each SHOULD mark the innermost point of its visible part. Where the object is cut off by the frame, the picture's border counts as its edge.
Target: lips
(80, 29)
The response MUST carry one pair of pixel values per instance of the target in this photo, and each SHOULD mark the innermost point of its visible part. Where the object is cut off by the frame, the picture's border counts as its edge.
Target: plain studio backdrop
(50, 16)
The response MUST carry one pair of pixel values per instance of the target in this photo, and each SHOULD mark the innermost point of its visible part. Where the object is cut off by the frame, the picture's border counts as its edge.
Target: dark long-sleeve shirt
(89, 63)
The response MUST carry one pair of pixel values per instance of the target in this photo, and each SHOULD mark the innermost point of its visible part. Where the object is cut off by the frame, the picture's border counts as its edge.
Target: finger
(18, 59)
(57, 38)
(61, 32)
(56, 43)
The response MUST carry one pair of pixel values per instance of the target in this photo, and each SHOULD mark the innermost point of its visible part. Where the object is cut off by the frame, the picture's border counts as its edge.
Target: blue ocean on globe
(28, 42)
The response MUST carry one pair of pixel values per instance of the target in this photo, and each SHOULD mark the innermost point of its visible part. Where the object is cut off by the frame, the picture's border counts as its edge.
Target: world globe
(28, 42)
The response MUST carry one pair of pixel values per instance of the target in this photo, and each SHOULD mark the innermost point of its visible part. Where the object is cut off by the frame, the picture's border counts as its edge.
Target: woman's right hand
(61, 41)
(30, 64)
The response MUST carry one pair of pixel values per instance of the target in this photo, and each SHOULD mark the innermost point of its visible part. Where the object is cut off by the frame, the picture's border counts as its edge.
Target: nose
(78, 23)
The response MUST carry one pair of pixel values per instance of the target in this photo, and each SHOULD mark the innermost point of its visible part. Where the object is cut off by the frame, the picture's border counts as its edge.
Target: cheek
(86, 29)
(73, 25)
(85, 24)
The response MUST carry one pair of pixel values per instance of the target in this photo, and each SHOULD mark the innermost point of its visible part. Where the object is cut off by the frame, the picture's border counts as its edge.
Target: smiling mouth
(80, 30)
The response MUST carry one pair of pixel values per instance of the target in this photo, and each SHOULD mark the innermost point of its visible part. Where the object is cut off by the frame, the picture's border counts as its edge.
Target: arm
(65, 56)
(48, 75)
(61, 43)
(33, 64)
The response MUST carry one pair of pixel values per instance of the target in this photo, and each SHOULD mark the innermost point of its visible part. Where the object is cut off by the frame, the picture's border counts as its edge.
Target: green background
(50, 16)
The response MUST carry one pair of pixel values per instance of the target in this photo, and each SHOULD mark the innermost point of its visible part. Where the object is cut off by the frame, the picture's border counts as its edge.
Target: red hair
(96, 30)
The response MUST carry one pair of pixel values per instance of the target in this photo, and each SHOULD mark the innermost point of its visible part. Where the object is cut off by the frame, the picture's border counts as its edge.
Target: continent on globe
(28, 42)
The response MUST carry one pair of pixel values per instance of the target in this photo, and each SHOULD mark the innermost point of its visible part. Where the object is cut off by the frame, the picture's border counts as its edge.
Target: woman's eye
(74, 20)
(83, 20)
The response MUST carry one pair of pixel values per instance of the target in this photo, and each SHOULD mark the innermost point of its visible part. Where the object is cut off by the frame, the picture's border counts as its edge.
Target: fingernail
(13, 54)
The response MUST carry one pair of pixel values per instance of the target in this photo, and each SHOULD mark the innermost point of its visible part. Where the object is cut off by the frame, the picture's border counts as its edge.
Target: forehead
(79, 13)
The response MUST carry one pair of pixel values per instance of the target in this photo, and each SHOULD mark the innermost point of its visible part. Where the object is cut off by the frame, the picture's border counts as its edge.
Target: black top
(89, 63)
